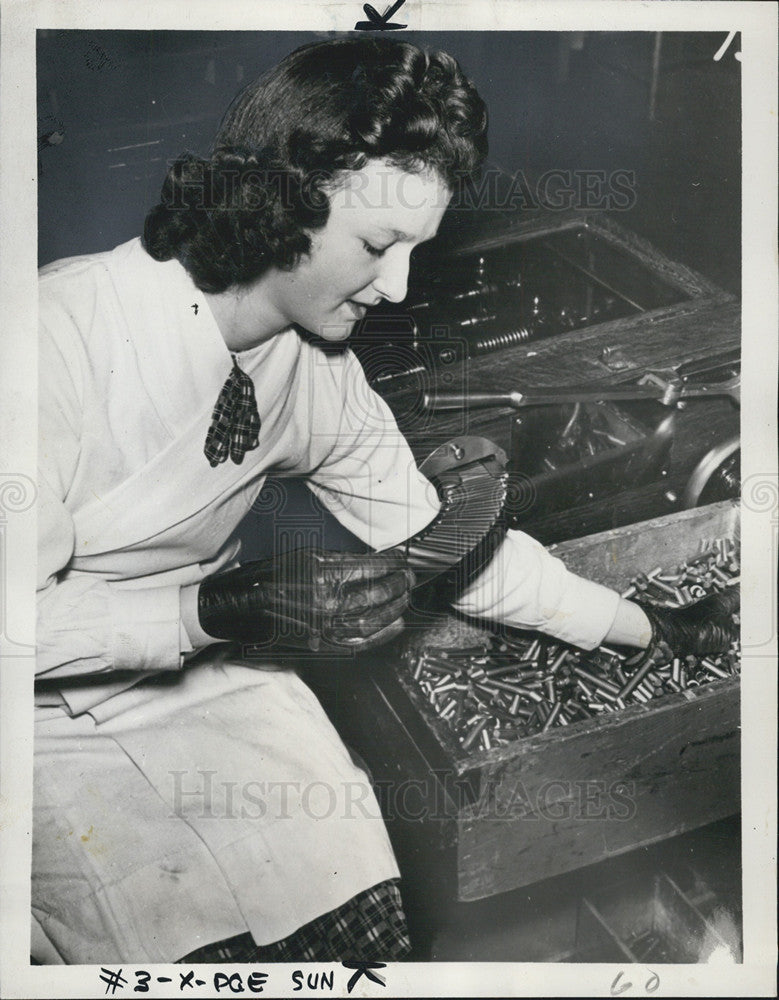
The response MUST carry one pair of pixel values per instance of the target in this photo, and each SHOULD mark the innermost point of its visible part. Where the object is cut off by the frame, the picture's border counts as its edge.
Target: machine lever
(663, 387)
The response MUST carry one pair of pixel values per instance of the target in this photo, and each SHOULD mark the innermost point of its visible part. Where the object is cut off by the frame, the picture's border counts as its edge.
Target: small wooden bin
(550, 803)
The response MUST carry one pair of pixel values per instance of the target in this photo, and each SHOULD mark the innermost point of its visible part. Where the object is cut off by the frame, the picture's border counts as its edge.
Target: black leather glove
(309, 599)
(705, 628)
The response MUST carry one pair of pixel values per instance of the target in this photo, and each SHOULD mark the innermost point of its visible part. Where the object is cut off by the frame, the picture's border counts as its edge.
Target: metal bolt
(613, 653)
(474, 732)
(558, 661)
(635, 680)
(658, 583)
(552, 717)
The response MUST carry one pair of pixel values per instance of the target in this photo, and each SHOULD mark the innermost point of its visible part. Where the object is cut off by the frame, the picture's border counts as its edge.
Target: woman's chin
(336, 331)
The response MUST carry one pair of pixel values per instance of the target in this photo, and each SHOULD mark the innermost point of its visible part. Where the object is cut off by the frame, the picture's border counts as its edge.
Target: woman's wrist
(188, 597)
(630, 627)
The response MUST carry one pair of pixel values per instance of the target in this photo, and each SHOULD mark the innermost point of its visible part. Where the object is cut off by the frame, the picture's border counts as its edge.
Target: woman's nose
(392, 280)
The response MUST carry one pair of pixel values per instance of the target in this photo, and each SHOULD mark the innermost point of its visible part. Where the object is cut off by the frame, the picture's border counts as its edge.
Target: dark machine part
(466, 305)
(543, 285)
(469, 474)
(576, 302)
(716, 477)
(719, 368)
(567, 456)
(591, 455)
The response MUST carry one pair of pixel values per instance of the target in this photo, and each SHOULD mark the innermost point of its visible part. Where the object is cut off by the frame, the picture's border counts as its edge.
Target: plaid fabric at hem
(370, 926)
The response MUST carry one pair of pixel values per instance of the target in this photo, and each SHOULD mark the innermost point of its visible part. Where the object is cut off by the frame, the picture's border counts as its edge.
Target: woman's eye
(373, 251)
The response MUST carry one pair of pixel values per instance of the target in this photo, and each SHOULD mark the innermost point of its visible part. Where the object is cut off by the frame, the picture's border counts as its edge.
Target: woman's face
(361, 256)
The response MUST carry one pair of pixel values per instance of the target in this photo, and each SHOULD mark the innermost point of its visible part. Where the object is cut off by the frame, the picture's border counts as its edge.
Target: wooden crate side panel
(689, 281)
(613, 558)
(568, 803)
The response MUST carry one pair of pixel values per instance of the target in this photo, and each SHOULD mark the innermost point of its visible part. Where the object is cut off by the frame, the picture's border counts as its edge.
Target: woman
(192, 800)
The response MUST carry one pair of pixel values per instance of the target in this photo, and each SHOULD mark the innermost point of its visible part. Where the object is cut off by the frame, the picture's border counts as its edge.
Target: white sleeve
(370, 482)
(86, 625)
(368, 478)
(524, 585)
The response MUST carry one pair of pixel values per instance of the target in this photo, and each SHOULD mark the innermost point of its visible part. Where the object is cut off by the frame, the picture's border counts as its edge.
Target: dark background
(116, 106)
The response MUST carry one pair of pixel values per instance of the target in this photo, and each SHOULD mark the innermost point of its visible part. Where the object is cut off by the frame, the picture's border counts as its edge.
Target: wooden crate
(486, 821)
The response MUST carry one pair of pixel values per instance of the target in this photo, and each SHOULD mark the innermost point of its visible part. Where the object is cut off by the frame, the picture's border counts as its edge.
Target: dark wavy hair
(328, 107)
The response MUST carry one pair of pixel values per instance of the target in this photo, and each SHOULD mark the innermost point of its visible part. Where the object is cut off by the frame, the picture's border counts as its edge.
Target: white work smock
(183, 796)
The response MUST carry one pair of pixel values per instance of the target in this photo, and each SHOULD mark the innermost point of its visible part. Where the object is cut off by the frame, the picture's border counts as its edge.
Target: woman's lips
(357, 308)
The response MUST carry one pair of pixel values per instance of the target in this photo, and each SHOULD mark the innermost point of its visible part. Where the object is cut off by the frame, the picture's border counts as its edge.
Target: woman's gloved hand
(309, 599)
(705, 628)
